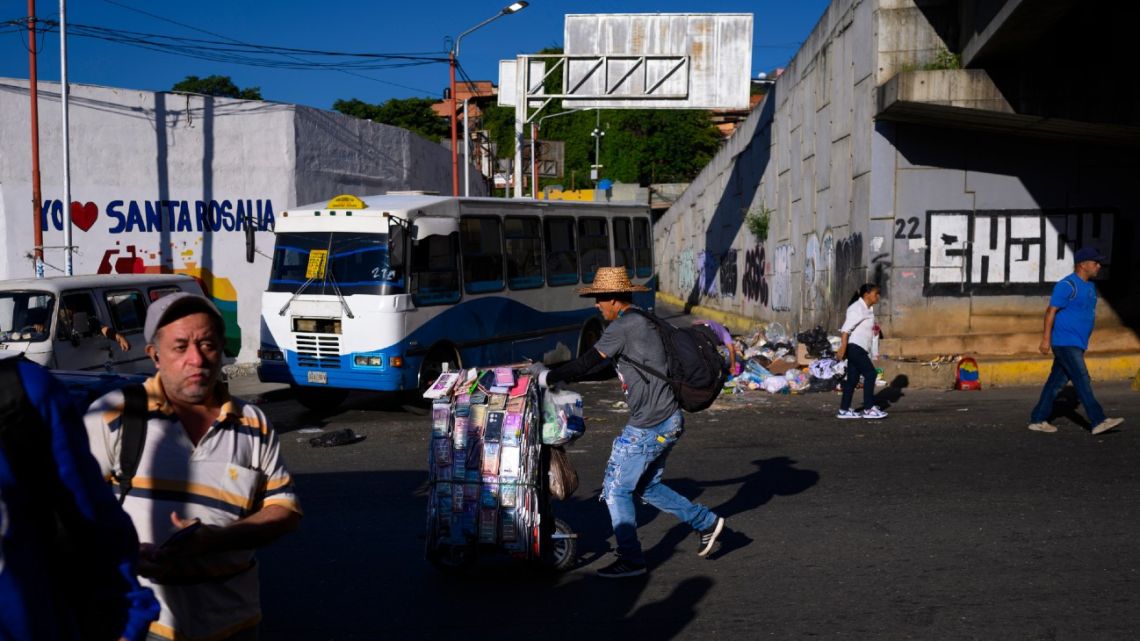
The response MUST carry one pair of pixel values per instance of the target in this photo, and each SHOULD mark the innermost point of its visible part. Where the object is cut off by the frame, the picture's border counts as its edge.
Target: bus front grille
(318, 350)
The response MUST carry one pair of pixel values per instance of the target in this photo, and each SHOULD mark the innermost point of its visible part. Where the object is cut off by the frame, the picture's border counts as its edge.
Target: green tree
(221, 86)
(413, 114)
(642, 146)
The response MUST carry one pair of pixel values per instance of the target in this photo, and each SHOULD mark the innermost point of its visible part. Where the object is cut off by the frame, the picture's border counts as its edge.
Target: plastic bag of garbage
(562, 418)
(333, 439)
(775, 384)
(797, 379)
(775, 333)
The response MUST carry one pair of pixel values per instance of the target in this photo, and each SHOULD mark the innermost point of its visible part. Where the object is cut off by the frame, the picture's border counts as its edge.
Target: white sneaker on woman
(874, 412)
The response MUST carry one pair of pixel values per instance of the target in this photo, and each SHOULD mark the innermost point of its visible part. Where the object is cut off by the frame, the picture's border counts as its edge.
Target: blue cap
(1088, 253)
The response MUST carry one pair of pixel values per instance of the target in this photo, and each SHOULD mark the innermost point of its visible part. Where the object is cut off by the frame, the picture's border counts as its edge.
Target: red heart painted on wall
(83, 215)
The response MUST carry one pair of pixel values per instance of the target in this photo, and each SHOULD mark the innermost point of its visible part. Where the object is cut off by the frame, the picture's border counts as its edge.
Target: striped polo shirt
(234, 471)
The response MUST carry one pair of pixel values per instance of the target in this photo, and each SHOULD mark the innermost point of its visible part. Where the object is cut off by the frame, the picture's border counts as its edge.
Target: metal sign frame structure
(624, 61)
(530, 88)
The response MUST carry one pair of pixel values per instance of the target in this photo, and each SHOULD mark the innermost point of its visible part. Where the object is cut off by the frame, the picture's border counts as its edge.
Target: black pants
(858, 364)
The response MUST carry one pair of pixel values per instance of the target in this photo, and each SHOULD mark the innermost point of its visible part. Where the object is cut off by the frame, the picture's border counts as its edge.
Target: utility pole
(33, 94)
(63, 100)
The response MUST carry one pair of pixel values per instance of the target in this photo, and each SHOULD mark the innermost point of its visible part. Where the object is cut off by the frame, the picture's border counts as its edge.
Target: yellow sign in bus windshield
(318, 258)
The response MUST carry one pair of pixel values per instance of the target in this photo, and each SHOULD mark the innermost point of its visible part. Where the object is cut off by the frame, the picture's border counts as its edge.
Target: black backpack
(695, 370)
(85, 578)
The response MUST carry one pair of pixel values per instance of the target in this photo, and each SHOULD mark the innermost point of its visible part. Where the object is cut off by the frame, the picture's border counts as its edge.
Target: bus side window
(524, 251)
(643, 247)
(435, 271)
(482, 242)
(623, 246)
(594, 246)
(561, 252)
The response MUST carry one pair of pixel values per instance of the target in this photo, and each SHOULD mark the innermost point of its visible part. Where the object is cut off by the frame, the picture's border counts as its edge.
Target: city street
(948, 520)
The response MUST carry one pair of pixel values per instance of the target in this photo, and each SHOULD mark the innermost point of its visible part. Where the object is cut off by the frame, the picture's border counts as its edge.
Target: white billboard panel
(718, 47)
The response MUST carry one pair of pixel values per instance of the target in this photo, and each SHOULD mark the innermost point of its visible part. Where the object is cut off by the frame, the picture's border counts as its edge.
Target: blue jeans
(636, 465)
(1068, 365)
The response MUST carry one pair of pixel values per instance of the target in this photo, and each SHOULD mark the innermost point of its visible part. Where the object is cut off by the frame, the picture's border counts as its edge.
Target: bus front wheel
(319, 399)
(432, 366)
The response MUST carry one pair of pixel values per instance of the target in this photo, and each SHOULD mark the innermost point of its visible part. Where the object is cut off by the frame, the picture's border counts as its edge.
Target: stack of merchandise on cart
(484, 461)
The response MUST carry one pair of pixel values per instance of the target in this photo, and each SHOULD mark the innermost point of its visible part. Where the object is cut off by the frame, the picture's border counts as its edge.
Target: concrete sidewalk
(919, 373)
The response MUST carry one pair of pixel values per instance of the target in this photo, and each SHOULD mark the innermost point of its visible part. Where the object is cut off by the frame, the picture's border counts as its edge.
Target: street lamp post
(453, 58)
(597, 134)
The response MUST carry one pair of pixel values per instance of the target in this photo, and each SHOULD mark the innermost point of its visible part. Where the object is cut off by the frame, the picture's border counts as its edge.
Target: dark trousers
(858, 364)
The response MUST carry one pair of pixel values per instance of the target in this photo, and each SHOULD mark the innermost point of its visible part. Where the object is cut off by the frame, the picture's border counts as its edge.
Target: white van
(58, 321)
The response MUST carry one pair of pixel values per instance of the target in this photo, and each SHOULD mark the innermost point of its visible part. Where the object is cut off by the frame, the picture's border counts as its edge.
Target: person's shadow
(892, 392)
(1066, 405)
(776, 476)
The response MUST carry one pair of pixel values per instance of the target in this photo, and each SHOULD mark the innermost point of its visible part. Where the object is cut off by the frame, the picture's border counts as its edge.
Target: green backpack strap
(133, 423)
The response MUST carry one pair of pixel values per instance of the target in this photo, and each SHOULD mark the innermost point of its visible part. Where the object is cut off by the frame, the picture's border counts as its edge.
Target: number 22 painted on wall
(900, 228)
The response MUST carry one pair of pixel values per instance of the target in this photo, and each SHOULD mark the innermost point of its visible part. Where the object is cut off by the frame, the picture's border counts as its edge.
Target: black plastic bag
(333, 439)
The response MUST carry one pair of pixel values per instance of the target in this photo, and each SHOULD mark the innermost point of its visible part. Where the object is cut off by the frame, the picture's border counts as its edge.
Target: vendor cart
(488, 473)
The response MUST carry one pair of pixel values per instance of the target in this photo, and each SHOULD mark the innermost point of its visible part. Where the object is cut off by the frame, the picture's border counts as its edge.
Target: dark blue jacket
(28, 611)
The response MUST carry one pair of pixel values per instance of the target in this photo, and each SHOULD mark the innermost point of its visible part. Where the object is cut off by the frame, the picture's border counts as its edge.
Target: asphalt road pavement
(947, 520)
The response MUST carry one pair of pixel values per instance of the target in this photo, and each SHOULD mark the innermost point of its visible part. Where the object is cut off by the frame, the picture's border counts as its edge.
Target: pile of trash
(770, 359)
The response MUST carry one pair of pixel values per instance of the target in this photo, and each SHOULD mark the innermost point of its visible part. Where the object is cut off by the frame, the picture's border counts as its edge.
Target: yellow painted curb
(735, 322)
(1119, 367)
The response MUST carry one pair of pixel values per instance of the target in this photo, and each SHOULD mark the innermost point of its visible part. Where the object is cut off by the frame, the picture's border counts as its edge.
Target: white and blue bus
(379, 293)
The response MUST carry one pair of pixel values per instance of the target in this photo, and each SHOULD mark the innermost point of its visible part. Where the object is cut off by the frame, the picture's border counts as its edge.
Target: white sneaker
(1043, 426)
(1107, 424)
(848, 414)
(874, 413)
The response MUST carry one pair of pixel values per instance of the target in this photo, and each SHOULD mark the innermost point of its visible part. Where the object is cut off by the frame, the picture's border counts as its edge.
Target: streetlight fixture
(453, 58)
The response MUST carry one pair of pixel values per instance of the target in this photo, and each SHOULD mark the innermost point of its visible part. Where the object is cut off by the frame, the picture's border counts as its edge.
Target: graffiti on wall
(754, 285)
(707, 264)
(163, 215)
(686, 271)
(728, 274)
(847, 274)
(816, 271)
(782, 277)
(130, 260)
(1009, 251)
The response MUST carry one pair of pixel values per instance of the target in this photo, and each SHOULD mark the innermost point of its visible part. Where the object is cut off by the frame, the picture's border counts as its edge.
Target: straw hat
(611, 280)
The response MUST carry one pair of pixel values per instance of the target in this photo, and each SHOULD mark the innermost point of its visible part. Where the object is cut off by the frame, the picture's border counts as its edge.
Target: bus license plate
(319, 377)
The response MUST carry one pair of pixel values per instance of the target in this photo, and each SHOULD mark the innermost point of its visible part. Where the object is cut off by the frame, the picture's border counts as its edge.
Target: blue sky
(359, 26)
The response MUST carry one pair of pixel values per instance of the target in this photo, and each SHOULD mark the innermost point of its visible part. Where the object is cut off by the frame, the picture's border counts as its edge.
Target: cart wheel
(563, 546)
(451, 558)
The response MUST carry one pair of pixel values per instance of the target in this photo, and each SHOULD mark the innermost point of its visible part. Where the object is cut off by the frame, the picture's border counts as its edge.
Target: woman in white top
(856, 335)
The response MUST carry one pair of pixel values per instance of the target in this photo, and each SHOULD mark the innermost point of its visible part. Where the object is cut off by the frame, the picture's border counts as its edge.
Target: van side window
(127, 310)
(81, 303)
(156, 293)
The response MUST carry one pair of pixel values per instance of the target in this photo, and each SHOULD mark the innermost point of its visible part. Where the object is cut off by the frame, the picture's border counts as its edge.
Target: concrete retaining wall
(964, 230)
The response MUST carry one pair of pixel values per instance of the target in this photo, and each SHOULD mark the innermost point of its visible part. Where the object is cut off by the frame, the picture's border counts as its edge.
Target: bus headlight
(270, 355)
(368, 360)
(396, 361)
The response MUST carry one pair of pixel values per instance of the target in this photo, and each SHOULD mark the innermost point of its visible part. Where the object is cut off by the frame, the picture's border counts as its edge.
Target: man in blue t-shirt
(1068, 324)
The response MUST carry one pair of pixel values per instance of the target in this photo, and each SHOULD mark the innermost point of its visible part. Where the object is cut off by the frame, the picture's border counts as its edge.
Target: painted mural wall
(169, 183)
(963, 231)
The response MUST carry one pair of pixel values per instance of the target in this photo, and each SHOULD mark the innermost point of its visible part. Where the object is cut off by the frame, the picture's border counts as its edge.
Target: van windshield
(355, 263)
(26, 315)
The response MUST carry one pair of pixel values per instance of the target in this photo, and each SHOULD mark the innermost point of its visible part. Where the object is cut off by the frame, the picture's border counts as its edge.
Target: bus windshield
(356, 264)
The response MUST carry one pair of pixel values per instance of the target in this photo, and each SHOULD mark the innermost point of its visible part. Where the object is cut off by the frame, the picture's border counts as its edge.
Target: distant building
(165, 182)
